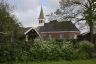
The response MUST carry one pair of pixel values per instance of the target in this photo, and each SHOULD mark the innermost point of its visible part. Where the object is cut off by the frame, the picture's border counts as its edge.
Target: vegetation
(92, 61)
(13, 49)
(10, 29)
(85, 10)
(39, 50)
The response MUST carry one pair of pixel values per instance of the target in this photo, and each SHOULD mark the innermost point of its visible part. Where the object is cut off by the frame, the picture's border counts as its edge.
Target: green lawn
(92, 61)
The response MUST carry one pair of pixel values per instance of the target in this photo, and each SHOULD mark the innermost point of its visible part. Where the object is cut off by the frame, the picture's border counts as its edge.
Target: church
(52, 30)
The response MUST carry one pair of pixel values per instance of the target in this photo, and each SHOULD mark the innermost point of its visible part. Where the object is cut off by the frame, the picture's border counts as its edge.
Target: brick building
(53, 30)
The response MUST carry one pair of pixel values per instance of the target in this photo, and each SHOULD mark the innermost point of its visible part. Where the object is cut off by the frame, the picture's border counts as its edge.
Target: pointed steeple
(41, 18)
(41, 14)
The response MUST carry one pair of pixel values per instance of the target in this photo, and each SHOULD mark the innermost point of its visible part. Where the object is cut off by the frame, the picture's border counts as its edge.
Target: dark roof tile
(58, 26)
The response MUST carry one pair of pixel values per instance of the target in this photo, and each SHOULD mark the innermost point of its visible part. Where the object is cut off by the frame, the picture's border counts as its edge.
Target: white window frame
(75, 36)
(50, 36)
(61, 36)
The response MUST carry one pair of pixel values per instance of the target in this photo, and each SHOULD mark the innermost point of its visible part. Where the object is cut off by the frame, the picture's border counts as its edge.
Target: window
(50, 36)
(40, 21)
(75, 36)
(61, 36)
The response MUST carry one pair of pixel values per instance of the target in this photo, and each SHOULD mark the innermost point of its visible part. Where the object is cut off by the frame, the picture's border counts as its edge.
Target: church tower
(41, 18)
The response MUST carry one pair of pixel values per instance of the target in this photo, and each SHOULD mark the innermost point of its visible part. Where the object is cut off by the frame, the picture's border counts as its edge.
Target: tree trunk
(91, 32)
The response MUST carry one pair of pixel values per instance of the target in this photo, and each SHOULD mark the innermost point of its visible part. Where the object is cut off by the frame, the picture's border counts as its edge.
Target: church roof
(41, 14)
(54, 26)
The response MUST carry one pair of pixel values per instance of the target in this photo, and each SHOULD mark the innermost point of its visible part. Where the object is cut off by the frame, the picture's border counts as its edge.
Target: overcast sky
(27, 11)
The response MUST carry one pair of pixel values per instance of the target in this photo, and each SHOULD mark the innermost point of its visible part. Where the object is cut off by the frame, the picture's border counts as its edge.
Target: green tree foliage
(90, 15)
(8, 22)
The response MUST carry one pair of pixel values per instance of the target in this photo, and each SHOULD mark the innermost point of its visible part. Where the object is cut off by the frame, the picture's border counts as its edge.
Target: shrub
(7, 52)
(68, 50)
(52, 50)
(17, 51)
(44, 50)
(83, 55)
(85, 46)
(85, 49)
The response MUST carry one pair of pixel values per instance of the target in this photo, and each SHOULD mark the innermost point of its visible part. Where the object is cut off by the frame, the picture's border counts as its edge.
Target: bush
(39, 50)
(85, 49)
(68, 50)
(83, 55)
(17, 51)
(7, 52)
(52, 50)
(44, 50)
(85, 46)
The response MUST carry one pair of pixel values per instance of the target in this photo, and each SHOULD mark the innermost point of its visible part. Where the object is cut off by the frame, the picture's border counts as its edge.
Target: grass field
(92, 61)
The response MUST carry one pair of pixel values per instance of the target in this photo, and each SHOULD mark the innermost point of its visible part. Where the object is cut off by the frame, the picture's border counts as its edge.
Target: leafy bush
(83, 55)
(14, 51)
(85, 49)
(44, 50)
(40, 50)
(85, 46)
(53, 50)
(68, 51)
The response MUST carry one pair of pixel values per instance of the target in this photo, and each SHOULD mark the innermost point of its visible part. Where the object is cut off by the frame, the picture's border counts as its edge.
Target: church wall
(63, 35)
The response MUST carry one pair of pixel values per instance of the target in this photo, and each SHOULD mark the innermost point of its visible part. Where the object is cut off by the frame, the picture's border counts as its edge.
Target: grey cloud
(27, 11)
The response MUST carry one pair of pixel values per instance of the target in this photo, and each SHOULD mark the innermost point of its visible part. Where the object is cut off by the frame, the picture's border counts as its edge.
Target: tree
(8, 22)
(90, 14)
(84, 8)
